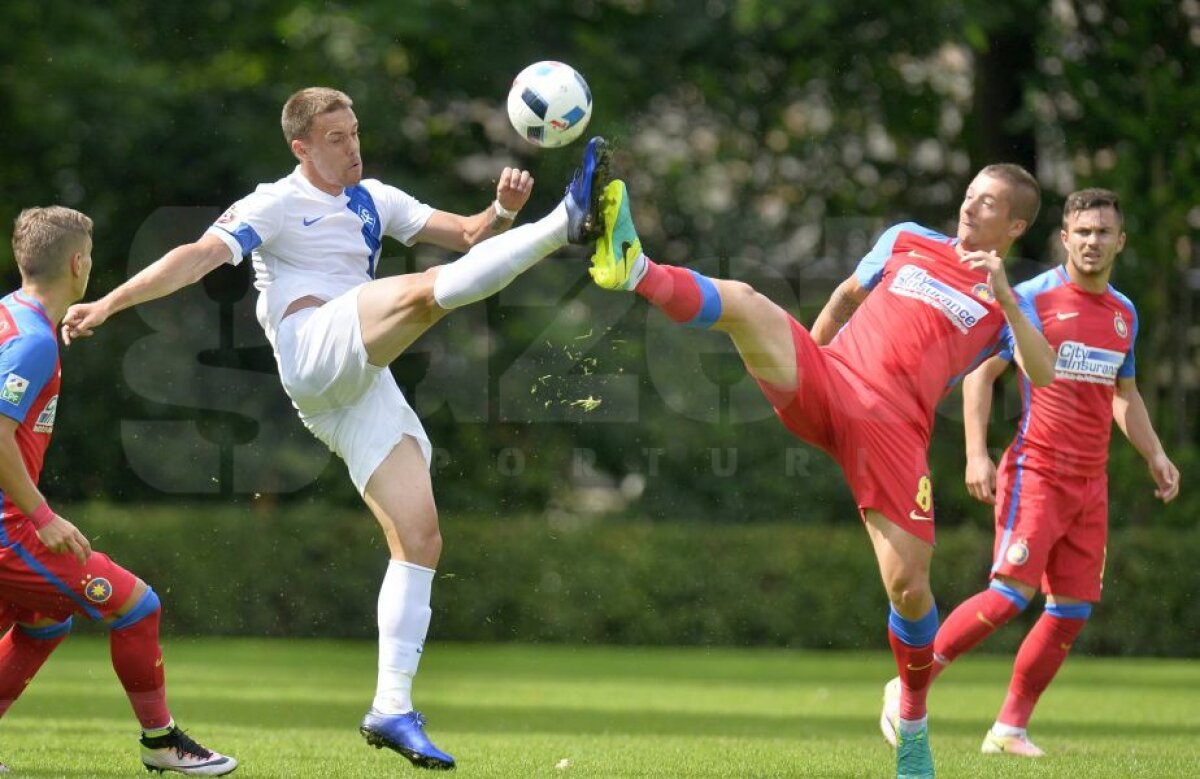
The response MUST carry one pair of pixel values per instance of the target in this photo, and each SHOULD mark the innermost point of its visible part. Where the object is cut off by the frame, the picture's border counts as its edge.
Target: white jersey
(307, 242)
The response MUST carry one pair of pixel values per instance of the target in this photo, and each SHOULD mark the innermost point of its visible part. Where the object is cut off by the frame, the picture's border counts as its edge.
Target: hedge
(267, 570)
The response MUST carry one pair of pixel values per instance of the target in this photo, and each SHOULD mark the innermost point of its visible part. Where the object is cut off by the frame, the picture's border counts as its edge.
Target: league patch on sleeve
(14, 389)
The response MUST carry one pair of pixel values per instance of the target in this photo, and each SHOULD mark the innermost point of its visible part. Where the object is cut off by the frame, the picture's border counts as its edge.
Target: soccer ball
(549, 104)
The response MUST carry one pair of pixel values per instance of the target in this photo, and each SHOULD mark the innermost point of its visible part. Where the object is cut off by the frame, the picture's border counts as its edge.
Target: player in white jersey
(315, 239)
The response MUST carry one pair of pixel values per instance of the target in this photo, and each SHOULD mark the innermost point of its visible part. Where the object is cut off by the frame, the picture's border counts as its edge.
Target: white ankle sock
(403, 623)
(492, 265)
(1007, 731)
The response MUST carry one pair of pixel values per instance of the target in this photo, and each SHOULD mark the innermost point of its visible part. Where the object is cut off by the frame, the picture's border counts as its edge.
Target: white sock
(1007, 731)
(403, 623)
(492, 265)
(913, 725)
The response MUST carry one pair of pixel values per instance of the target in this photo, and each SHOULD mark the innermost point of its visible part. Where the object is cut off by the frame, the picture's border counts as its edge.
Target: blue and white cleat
(913, 758)
(583, 193)
(404, 733)
(618, 262)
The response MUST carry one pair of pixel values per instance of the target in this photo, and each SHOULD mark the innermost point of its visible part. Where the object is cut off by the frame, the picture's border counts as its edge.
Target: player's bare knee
(909, 593)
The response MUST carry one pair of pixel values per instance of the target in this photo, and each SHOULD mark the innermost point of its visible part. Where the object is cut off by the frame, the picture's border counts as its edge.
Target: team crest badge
(983, 292)
(98, 590)
(1017, 554)
(1120, 326)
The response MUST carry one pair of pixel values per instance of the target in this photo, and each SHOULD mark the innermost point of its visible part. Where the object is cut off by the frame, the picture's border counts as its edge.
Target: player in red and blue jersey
(920, 312)
(1052, 512)
(48, 571)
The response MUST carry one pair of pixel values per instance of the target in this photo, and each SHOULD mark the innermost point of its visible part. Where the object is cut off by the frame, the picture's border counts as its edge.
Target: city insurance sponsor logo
(961, 309)
(1079, 362)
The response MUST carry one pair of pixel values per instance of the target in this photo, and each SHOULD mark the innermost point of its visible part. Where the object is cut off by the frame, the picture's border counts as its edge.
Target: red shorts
(37, 583)
(1051, 529)
(883, 453)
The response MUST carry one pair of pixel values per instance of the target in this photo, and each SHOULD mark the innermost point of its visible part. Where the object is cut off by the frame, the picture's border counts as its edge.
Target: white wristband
(502, 212)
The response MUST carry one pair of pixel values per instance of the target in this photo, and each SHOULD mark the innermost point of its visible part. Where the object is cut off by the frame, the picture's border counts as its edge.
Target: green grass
(291, 709)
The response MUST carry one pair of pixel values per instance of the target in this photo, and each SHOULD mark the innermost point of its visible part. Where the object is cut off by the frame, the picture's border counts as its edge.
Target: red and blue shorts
(883, 453)
(1051, 528)
(36, 583)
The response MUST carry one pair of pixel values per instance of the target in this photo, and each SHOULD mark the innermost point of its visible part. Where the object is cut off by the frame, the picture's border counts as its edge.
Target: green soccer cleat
(913, 758)
(618, 262)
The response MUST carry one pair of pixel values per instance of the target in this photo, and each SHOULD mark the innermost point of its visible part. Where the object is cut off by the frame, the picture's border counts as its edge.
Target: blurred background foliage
(766, 140)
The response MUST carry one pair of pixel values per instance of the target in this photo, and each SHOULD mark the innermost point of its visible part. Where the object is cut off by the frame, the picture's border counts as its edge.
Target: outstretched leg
(395, 311)
(759, 328)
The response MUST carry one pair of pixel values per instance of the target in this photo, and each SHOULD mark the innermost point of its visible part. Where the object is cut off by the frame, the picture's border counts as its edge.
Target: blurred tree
(764, 139)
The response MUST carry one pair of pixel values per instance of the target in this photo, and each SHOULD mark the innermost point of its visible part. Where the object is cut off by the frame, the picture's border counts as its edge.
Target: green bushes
(308, 571)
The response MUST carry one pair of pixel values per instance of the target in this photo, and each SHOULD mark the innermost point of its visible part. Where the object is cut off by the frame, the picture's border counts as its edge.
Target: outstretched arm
(56, 533)
(1129, 411)
(460, 233)
(977, 409)
(176, 269)
(842, 304)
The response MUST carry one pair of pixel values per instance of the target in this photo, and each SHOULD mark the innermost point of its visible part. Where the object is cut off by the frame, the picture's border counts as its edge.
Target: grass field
(291, 709)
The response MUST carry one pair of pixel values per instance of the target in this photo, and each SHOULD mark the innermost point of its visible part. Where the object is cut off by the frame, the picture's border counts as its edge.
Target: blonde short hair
(45, 238)
(1025, 199)
(306, 105)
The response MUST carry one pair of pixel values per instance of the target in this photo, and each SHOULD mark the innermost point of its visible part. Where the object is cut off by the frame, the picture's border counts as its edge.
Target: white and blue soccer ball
(549, 104)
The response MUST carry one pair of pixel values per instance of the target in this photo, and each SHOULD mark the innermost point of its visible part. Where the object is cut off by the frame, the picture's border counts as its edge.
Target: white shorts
(351, 406)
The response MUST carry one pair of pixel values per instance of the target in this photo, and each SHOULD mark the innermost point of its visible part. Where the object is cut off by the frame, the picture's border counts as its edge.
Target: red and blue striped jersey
(929, 320)
(1066, 426)
(29, 381)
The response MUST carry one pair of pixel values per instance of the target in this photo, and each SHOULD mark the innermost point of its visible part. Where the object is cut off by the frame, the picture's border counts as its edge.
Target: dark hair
(1087, 199)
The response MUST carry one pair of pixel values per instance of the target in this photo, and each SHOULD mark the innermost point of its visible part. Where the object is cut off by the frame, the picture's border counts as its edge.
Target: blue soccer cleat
(583, 193)
(404, 733)
(913, 758)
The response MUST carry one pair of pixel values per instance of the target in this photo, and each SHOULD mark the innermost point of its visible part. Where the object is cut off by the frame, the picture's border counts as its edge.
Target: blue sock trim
(710, 306)
(144, 608)
(1069, 611)
(1011, 593)
(48, 632)
(918, 632)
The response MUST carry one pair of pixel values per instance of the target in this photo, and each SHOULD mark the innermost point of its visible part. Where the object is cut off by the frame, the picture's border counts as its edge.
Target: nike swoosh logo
(918, 255)
(912, 667)
(915, 517)
(625, 247)
(985, 620)
(309, 222)
(1069, 315)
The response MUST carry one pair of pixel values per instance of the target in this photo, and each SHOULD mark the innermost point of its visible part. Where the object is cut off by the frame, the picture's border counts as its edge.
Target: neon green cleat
(618, 262)
(913, 758)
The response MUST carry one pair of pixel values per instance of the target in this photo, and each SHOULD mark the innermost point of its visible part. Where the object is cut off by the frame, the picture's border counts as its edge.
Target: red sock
(21, 655)
(1042, 653)
(974, 620)
(915, 664)
(672, 289)
(137, 659)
